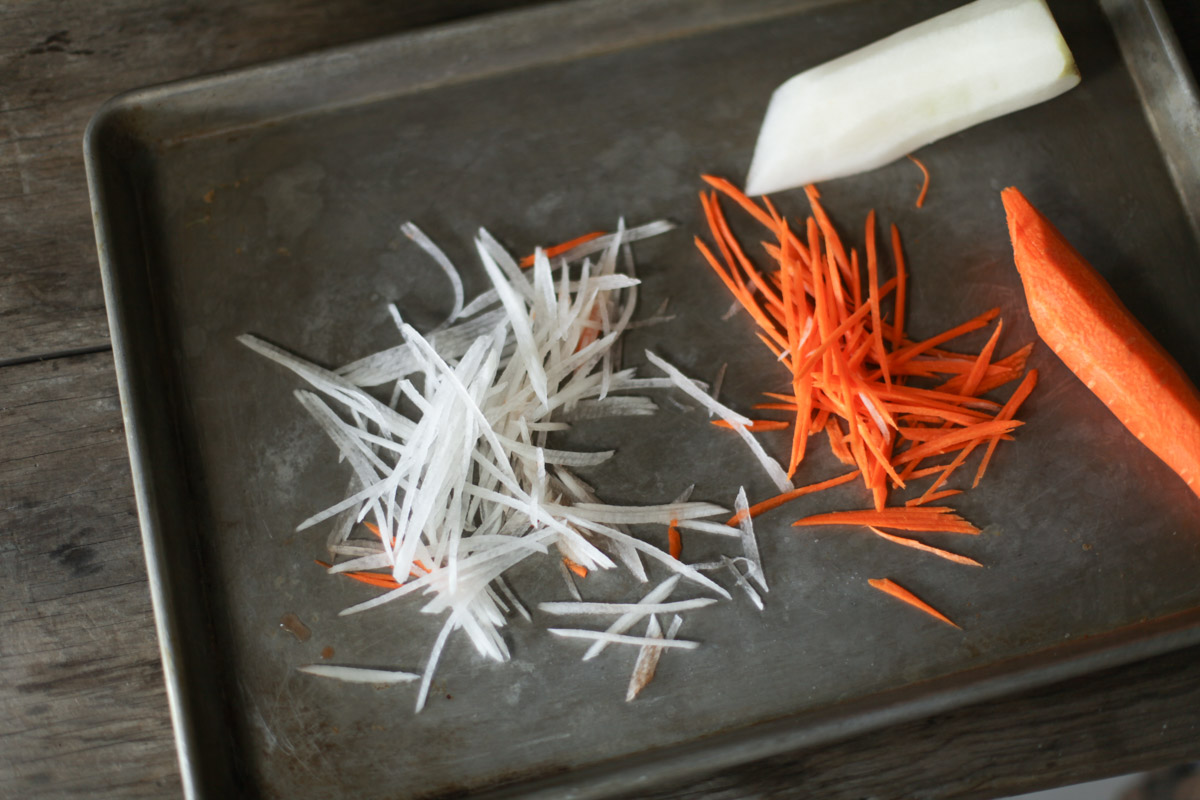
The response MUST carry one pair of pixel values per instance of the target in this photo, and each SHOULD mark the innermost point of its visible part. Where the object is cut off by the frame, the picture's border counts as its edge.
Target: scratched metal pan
(268, 201)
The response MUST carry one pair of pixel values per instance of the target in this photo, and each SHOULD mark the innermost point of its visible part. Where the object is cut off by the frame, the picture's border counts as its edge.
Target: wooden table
(82, 705)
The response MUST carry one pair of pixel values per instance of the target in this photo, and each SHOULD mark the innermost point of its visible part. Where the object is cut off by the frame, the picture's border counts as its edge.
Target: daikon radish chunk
(883, 101)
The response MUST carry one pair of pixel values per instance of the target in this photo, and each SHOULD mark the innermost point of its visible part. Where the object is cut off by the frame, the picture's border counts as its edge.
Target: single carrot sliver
(924, 183)
(370, 578)
(921, 518)
(925, 548)
(780, 499)
(757, 425)
(935, 496)
(559, 249)
(889, 586)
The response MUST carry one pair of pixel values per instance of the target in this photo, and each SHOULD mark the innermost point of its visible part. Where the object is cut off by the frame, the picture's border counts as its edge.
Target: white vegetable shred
(455, 475)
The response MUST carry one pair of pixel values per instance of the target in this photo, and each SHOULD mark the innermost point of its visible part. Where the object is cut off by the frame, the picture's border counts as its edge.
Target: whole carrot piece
(1079, 315)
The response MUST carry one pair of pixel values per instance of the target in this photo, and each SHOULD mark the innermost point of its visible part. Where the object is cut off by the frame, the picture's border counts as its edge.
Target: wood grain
(59, 61)
(83, 710)
(1115, 722)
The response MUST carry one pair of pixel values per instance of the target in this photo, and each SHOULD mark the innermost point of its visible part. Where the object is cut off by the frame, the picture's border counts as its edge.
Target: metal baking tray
(268, 200)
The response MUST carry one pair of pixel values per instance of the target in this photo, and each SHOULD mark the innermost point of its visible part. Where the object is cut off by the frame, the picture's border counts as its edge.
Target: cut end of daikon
(877, 104)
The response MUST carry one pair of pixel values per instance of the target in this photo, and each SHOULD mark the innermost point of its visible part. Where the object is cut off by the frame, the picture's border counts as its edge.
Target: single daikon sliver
(883, 101)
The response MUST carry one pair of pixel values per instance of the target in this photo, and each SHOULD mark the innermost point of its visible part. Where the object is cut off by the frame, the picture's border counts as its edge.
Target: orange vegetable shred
(559, 249)
(896, 408)
(924, 182)
(674, 540)
(843, 338)
(889, 586)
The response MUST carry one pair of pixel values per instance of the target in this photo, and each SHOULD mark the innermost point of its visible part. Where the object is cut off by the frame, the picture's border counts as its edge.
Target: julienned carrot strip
(738, 196)
(901, 287)
(1013, 363)
(889, 586)
(580, 570)
(827, 229)
(740, 256)
(924, 472)
(770, 207)
(778, 500)
(928, 518)
(369, 578)
(707, 203)
(873, 296)
(979, 368)
(674, 540)
(850, 365)
(941, 444)
(373, 528)
(946, 471)
(1009, 410)
(757, 425)
(913, 394)
(914, 434)
(559, 249)
(739, 292)
(924, 181)
(837, 442)
(912, 351)
(832, 338)
(1005, 413)
(932, 498)
(925, 548)
(793, 313)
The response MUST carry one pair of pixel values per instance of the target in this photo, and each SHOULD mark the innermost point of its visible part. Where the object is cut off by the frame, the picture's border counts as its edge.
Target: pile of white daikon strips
(464, 487)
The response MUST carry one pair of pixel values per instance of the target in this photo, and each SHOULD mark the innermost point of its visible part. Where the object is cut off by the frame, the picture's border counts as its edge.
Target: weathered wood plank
(1123, 720)
(59, 61)
(83, 710)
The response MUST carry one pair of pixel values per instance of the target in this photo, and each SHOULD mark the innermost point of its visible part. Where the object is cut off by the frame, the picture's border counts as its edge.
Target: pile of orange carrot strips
(852, 365)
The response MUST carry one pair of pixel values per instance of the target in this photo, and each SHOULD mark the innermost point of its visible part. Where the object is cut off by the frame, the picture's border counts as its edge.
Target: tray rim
(117, 134)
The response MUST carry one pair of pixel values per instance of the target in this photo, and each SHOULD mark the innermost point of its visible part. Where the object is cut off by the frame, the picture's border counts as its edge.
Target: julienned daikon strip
(648, 657)
(358, 674)
(646, 514)
(883, 101)
(741, 581)
(609, 407)
(490, 497)
(675, 606)
(629, 619)
(400, 361)
(605, 637)
(736, 421)
(741, 509)
(425, 243)
(647, 661)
